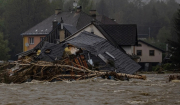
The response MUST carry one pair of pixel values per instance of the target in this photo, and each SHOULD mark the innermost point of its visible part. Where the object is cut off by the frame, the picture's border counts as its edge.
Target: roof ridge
(77, 31)
(91, 17)
(78, 19)
(151, 45)
(115, 24)
(94, 35)
(37, 24)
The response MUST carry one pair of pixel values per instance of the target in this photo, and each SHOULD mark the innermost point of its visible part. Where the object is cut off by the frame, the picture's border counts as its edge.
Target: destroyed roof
(123, 34)
(78, 20)
(55, 53)
(97, 45)
(87, 42)
(108, 37)
(25, 53)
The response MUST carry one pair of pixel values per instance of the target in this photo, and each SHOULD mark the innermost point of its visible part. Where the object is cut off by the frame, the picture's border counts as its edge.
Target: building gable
(90, 28)
(143, 50)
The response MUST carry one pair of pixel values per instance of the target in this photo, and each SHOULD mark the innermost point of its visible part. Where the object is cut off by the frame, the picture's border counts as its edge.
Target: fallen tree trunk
(47, 71)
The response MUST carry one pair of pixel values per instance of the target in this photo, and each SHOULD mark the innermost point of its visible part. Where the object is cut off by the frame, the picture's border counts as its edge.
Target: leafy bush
(156, 68)
(167, 66)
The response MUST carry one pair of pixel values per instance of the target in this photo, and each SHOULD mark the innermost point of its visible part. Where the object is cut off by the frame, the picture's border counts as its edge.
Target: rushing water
(153, 91)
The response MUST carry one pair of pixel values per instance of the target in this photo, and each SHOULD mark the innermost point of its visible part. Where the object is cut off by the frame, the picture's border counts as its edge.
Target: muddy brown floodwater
(153, 91)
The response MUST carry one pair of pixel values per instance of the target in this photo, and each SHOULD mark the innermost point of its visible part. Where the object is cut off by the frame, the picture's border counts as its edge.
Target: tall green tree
(102, 8)
(2, 10)
(57, 4)
(3, 48)
(86, 5)
(174, 45)
(164, 34)
(68, 5)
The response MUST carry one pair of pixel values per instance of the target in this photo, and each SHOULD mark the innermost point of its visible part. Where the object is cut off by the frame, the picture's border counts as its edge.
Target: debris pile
(58, 71)
(84, 56)
(174, 77)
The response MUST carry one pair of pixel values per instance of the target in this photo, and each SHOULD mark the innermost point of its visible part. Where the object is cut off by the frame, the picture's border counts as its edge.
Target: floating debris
(59, 71)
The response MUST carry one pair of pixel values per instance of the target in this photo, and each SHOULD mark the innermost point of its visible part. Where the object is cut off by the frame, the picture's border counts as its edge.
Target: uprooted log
(5, 65)
(122, 76)
(47, 71)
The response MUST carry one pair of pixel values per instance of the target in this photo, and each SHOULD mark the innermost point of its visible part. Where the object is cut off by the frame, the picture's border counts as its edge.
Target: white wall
(128, 49)
(145, 53)
(90, 29)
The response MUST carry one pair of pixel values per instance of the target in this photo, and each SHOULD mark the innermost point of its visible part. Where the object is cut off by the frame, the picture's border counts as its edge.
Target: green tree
(174, 45)
(86, 5)
(68, 5)
(2, 6)
(164, 34)
(2, 10)
(20, 15)
(3, 48)
(57, 4)
(156, 42)
(102, 8)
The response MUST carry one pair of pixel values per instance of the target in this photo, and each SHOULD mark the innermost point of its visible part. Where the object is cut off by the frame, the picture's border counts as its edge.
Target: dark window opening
(139, 52)
(151, 52)
(48, 51)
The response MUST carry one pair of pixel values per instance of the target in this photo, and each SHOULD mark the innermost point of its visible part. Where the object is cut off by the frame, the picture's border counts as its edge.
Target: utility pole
(149, 31)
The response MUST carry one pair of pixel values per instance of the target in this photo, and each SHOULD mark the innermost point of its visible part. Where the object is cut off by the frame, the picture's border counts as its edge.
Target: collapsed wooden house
(81, 57)
(94, 50)
(77, 46)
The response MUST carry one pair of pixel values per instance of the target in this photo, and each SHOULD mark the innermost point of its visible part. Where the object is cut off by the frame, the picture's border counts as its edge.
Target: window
(31, 40)
(139, 52)
(151, 52)
(41, 38)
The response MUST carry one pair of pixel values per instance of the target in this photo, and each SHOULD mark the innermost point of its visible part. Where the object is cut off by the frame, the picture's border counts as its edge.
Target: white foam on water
(111, 84)
(137, 102)
(115, 91)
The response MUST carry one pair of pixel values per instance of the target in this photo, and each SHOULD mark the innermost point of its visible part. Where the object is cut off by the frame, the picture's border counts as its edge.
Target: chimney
(62, 23)
(79, 8)
(92, 13)
(57, 11)
(62, 31)
(55, 22)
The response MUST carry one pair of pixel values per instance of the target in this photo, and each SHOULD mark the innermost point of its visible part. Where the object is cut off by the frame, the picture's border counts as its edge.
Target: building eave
(33, 34)
(152, 46)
